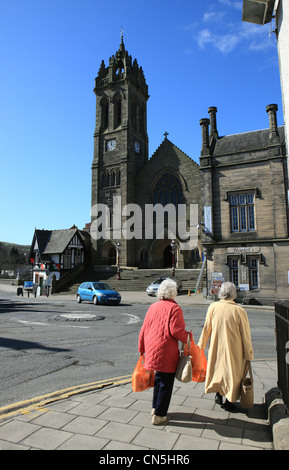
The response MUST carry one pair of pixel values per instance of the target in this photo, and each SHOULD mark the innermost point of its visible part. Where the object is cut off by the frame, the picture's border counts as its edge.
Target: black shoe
(218, 399)
(228, 406)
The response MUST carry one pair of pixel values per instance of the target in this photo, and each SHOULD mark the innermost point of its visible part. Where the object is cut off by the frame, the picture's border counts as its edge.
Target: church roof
(169, 147)
(247, 141)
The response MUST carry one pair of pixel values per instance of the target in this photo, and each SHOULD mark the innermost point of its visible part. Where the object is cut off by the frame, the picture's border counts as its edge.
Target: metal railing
(282, 344)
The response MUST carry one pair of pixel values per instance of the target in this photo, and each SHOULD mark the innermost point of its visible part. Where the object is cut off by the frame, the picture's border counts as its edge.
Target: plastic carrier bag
(199, 361)
(142, 379)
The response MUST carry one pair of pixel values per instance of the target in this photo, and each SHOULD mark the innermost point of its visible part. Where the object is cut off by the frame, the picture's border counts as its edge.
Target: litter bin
(20, 291)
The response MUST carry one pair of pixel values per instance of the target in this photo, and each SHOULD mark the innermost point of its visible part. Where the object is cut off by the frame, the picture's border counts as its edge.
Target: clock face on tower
(110, 144)
(137, 147)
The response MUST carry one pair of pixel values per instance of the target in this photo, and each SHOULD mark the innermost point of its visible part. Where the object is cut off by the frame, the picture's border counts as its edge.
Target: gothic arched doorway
(109, 253)
(112, 256)
(161, 254)
(168, 259)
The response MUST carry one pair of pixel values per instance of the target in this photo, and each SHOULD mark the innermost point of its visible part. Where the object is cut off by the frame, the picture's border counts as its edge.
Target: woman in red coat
(162, 328)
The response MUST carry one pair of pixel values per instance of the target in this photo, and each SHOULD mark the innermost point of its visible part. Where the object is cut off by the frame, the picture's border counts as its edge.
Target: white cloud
(224, 43)
(221, 30)
(205, 37)
(213, 16)
(231, 3)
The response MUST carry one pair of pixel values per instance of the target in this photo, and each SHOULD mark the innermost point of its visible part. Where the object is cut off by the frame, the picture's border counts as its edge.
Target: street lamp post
(173, 245)
(118, 248)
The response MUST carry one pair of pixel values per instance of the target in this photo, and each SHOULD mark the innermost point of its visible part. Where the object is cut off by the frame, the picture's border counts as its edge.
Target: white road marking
(26, 322)
(133, 318)
(31, 323)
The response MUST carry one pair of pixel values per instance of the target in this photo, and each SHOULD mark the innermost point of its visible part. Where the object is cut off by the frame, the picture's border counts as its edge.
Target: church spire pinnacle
(121, 47)
(121, 67)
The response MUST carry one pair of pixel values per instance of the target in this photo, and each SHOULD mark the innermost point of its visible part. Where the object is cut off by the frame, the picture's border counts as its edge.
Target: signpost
(217, 280)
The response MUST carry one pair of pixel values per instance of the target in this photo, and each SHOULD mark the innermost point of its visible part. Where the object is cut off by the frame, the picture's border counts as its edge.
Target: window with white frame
(242, 209)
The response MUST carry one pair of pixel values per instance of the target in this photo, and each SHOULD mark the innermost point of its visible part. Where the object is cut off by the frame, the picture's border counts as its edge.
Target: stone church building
(121, 168)
(238, 192)
(240, 188)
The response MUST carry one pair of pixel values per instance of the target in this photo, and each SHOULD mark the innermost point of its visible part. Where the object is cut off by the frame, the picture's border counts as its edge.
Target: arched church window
(141, 119)
(117, 110)
(104, 113)
(134, 113)
(168, 190)
(102, 180)
(118, 177)
(113, 178)
(107, 182)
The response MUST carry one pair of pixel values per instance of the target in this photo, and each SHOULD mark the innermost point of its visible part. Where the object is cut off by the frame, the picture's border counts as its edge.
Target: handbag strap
(188, 343)
(248, 368)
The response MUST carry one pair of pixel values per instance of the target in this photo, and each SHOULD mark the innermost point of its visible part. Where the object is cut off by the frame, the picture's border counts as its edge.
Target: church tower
(120, 146)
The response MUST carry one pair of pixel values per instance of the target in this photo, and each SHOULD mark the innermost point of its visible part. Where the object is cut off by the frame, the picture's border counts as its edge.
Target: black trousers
(163, 389)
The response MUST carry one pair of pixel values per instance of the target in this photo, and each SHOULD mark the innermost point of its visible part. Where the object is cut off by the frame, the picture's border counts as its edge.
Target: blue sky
(194, 55)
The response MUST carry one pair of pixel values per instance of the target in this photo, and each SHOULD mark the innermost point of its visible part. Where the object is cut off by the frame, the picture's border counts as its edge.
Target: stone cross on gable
(166, 135)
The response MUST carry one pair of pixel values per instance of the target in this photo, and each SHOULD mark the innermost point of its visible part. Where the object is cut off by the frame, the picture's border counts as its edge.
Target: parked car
(152, 289)
(98, 293)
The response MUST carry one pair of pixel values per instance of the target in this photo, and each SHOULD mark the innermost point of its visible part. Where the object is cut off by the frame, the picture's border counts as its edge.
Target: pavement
(109, 416)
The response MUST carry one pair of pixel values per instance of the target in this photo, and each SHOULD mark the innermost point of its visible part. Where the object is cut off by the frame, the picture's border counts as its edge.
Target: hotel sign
(243, 250)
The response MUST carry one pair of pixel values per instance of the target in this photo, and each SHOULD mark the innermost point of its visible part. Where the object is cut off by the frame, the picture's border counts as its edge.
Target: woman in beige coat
(230, 346)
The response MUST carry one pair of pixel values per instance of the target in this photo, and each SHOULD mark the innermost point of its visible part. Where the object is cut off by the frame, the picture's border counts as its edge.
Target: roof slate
(246, 141)
(58, 241)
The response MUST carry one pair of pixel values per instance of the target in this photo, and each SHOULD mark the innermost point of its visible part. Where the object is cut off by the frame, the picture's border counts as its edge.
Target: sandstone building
(244, 191)
(239, 188)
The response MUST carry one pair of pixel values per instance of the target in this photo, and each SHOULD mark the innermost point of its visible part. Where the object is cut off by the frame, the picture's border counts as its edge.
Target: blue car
(98, 293)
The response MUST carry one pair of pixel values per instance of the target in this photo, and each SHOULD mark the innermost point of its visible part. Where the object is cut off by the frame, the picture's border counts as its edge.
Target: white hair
(167, 290)
(227, 291)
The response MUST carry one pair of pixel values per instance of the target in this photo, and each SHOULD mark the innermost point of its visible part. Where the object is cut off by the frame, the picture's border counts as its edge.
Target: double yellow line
(37, 403)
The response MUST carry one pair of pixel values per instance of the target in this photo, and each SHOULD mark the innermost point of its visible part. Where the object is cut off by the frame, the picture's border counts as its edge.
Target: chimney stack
(274, 134)
(204, 123)
(213, 122)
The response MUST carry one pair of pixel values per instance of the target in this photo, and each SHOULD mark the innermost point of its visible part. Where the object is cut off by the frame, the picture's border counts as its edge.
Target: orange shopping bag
(142, 379)
(199, 362)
